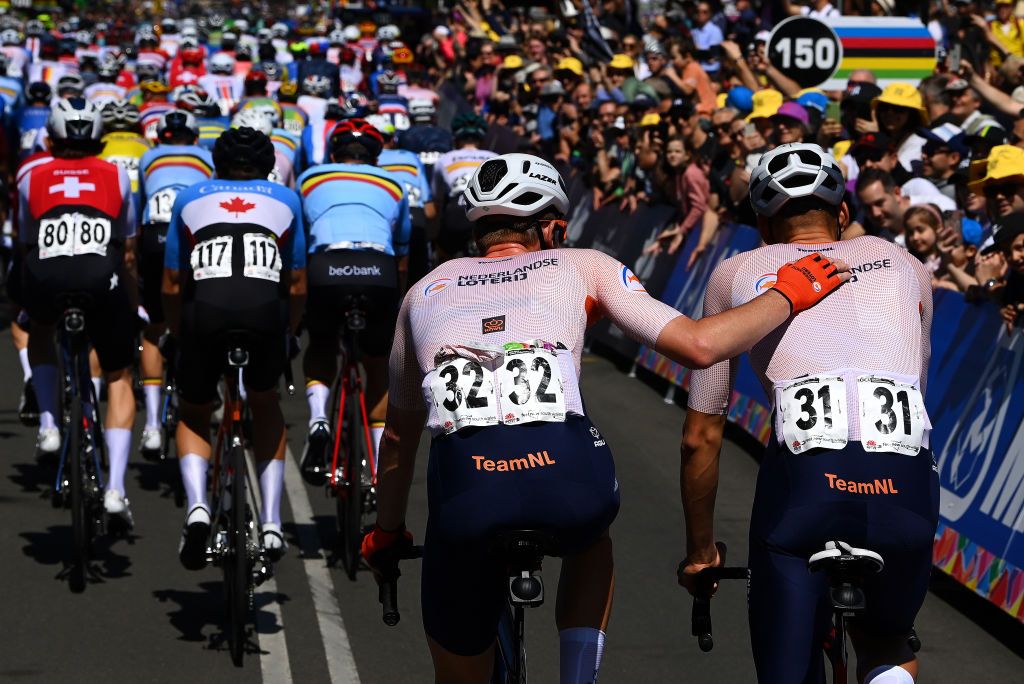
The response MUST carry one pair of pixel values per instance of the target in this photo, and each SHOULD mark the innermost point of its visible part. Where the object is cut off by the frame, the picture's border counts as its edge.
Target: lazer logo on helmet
(340, 271)
(542, 177)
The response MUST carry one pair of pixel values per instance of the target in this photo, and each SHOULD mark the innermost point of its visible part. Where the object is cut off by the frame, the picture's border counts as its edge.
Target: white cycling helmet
(280, 30)
(792, 171)
(352, 33)
(222, 63)
(514, 185)
(336, 37)
(388, 32)
(316, 85)
(70, 85)
(75, 120)
(250, 118)
(10, 37)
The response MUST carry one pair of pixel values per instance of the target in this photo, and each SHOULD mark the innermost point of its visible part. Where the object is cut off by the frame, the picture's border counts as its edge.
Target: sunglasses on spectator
(788, 122)
(725, 126)
(868, 155)
(540, 81)
(629, 46)
(884, 107)
(933, 151)
(1004, 189)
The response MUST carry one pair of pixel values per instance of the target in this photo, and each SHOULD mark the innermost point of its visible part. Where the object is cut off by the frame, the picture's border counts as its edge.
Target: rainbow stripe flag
(896, 49)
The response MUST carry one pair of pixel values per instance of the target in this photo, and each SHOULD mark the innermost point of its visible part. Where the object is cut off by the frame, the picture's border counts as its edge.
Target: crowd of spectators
(675, 102)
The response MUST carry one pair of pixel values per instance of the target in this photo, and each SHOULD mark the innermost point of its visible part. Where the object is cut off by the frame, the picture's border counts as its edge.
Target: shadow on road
(53, 547)
(36, 476)
(199, 615)
(156, 476)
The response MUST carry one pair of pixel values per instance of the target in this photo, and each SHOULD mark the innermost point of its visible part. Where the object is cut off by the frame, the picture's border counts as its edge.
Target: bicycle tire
(236, 570)
(350, 505)
(80, 522)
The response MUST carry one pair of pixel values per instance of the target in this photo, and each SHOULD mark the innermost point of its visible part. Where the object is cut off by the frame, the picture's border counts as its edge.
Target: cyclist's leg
(19, 336)
(95, 372)
(151, 365)
(198, 372)
(375, 341)
(117, 427)
(584, 605)
(42, 356)
(266, 364)
(788, 607)
(320, 362)
(901, 528)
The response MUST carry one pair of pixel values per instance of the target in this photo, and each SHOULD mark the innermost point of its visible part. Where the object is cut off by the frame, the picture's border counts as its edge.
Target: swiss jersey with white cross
(89, 187)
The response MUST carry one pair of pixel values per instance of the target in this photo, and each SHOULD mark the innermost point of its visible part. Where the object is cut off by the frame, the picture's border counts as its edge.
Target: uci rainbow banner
(896, 49)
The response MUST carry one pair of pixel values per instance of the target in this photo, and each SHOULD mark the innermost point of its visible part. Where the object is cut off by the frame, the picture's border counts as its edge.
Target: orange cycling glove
(807, 281)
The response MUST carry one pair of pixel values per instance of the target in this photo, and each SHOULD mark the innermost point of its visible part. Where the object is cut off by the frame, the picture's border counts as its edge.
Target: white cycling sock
(193, 476)
(271, 483)
(46, 394)
(151, 390)
(26, 367)
(97, 384)
(376, 432)
(889, 674)
(317, 394)
(119, 443)
(580, 651)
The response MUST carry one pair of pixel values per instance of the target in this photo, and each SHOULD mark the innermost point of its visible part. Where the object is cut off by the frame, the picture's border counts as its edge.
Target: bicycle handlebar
(700, 618)
(387, 591)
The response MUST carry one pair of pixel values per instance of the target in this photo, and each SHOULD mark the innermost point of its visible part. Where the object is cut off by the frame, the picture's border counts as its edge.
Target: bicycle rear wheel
(80, 519)
(350, 503)
(236, 566)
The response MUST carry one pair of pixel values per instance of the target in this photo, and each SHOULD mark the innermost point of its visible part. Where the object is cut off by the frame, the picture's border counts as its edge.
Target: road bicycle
(846, 568)
(521, 552)
(353, 476)
(236, 544)
(83, 458)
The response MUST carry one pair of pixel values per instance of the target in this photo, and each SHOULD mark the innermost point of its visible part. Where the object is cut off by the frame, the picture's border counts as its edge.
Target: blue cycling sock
(45, 380)
(580, 651)
(889, 674)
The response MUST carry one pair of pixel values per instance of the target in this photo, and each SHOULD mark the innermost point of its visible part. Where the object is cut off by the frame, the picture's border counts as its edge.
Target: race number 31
(805, 50)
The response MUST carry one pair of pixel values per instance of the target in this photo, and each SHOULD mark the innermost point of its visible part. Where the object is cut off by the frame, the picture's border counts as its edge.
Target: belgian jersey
(407, 166)
(167, 170)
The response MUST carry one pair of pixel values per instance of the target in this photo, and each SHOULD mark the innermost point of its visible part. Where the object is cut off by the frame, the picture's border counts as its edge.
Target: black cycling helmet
(243, 147)
(469, 125)
(356, 139)
(39, 92)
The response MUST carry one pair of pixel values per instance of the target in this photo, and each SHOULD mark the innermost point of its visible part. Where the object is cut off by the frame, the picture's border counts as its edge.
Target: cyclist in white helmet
(844, 463)
(487, 355)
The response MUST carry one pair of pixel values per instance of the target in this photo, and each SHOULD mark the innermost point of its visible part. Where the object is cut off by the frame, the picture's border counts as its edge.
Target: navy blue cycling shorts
(884, 502)
(554, 477)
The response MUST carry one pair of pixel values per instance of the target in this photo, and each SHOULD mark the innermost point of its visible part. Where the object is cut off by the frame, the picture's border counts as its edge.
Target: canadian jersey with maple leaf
(236, 242)
(355, 206)
(164, 172)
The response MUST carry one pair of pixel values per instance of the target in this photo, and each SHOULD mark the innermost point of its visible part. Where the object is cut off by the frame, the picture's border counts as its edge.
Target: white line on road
(275, 666)
(340, 662)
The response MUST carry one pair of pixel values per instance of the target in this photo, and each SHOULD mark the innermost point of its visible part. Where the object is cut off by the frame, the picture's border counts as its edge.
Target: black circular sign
(805, 50)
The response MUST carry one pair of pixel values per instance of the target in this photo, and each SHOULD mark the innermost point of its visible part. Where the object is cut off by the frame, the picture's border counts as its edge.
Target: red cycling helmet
(191, 56)
(349, 133)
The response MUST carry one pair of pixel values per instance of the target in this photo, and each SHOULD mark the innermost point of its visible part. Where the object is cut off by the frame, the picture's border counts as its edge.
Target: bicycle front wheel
(350, 503)
(236, 567)
(81, 524)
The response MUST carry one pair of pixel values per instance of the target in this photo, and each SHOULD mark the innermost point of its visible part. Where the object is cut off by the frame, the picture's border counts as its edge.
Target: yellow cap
(621, 61)
(652, 119)
(840, 149)
(512, 62)
(720, 100)
(903, 95)
(570, 64)
(1004, 161)
(766, 104)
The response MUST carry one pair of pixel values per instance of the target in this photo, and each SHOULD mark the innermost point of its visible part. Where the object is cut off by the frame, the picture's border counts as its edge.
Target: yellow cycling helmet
(154, 87)
(288, 88)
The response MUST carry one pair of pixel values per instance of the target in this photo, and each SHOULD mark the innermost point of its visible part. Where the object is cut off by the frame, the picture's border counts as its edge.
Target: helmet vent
(527, 198)
(491, 173)
(526, 166)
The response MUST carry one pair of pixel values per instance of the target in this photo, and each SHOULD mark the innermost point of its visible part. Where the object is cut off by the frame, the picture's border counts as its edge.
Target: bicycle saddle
(839, 558)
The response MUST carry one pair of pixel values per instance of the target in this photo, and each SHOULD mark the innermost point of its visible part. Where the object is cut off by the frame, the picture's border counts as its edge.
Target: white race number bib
(262, 258)
(531, 388)
(160, 205)
(212, 258)
(814, 414)
(892, 415)
(73, 235)
(463, 393)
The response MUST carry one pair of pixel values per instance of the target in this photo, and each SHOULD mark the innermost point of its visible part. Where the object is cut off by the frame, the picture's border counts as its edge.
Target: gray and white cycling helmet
(223, 64)
(250, 118)
(514, 185)
(352, 33)
(75, 120)
(792, 171)
(389, 32)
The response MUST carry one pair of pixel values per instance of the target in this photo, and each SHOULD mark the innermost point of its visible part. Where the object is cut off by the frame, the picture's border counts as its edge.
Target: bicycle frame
(350, 381)
(77, 385)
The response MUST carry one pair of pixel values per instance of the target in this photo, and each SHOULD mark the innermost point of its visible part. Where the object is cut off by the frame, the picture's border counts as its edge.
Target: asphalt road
(145, 619)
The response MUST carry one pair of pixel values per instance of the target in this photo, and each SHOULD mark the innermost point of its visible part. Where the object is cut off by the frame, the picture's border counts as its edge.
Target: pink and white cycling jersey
(879, 322)
(480, 303)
